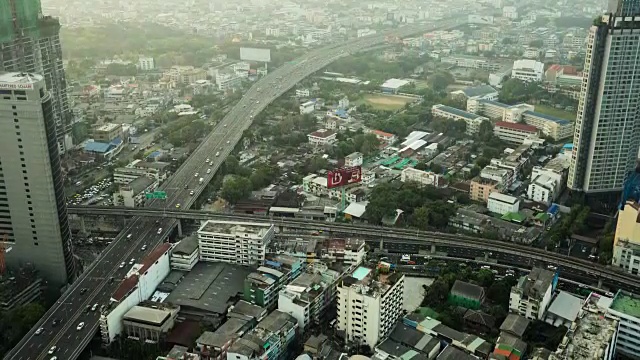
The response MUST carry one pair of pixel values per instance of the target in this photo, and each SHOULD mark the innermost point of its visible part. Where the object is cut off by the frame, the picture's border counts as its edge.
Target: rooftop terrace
(627, 304)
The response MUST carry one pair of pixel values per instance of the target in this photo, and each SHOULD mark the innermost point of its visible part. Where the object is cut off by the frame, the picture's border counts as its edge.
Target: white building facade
(527, 70)
(235, 242)
(501, 204)
(367, 309)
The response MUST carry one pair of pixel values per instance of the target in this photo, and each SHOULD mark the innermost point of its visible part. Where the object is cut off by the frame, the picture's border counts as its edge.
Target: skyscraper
(607, 129)
(33, 213)
(30, 42)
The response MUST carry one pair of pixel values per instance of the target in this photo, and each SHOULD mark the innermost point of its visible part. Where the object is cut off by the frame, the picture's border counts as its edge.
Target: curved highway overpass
(407, 236)
(94, 285)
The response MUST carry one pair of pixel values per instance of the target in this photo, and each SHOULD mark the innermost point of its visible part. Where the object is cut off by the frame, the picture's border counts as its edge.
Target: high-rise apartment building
(30, 42)
(33, 213)
(368, 308)
(607, 128)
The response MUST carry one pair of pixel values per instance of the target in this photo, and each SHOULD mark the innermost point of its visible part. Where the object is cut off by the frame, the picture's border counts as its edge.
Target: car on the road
(39, 331)
(195, 175)
(610, 294)
(94, 307)
(53, 349)
(218, 153)
(54, 358)
(88, 308)
(129, 236)
(122, 264)
(177, 206)
(55, 322)
(132, 261)
(83, 290)
(143, 248)
(228, 141)
(208, 171)
(159, 231)
(186, 186)
(225, 125)
(207, 160)
(80, 326)
(191, 192)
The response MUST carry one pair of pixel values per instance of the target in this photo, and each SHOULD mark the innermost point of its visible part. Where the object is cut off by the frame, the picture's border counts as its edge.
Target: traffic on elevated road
(58, 332)
(512, 252)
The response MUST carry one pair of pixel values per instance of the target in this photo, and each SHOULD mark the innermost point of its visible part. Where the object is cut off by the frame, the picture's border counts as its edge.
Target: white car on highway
(191, 193)
(159, 231)
(39, 331)
(122, 264)
(208, 171)
(80, 326)
(196, 175)
(53, 349)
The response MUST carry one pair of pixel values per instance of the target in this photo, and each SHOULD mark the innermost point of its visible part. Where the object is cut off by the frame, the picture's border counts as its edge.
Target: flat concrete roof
(146, 314)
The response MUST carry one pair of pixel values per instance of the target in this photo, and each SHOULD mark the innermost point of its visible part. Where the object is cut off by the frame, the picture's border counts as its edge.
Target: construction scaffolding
(19, 18)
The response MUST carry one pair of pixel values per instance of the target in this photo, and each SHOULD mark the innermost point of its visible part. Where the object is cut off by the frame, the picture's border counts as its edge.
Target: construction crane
(3, 250)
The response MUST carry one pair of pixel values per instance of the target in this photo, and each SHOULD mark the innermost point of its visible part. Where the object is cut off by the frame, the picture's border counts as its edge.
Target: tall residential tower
(30, 42)
(607, 129)
(33, 213)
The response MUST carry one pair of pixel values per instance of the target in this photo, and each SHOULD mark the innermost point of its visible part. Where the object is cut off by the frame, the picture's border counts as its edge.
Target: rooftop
(322, 133)
(626, 303)
(517, 126)
(208, 287)
(457, 112)
(19, 78)
(536, 283)
(186, 246)
(361, 280)
(232, 328)
(452, 353)
(548, 117)
(140, 184)
(395, 83)
(467, 290)
(515, 324)
(566, 306)
(503, 198)
(234, 227)
(108, 127)
(147, 314)
(481, 90)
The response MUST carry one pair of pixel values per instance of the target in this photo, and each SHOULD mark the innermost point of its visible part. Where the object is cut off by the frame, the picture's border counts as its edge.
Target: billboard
(255, 54)
(344, 176)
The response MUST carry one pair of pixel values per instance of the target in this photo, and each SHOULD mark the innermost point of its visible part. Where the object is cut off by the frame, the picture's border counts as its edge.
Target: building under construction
(30, 42)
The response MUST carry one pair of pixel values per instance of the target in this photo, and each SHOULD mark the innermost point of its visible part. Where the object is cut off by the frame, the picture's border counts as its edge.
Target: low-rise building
(353, 159)
(263, 285)
(307, 107)
(407, 342)
(149, 324)
(514, 133)
(270, 339)
(467, 295)
(107, 133)
(473, 62)
(472, 120)
(307, 297)
(155, 170)
(486, 92)
(19, 287)
(301, 93)
(422, 177)
(385, 137)
(368, 309)
(138, 286)
(503, 176)
(322, 137)
(318, 186)
(214, 345)
(185, 254)
(235, 242)
(527, 70)
(502, 204)
(542, 189)
(226, 82)
(480, 188)
(393, 85)
(591, 336)
(550, 126)
(532, 295)
(134, 193)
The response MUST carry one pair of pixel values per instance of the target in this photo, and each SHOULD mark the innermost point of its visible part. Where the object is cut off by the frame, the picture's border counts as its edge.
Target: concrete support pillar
(486, 256)
(433, 249)
(179, 228)
(381, 245)
(83, 227)
(600, 283)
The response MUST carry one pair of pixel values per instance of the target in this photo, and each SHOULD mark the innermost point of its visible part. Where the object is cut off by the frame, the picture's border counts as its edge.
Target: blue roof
(117, 141)
(481, 90)
(496, 103)
(97, 147)
(553, 209)
(548, 117)
(155, 154)
(462, 113)
(342, 113)
(567, 146)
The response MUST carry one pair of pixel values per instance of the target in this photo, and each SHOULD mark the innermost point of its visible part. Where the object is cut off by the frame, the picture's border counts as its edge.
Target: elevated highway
(405, 236)
(94, 286)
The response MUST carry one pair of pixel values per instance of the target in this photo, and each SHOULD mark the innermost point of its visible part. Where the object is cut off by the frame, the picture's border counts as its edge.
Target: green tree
(382, 202)
(440, 80)
(536, 43)
(485, 131)
(236, 188)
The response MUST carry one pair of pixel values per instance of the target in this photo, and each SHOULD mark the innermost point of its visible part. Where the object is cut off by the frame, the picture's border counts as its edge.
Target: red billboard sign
(344, 176)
